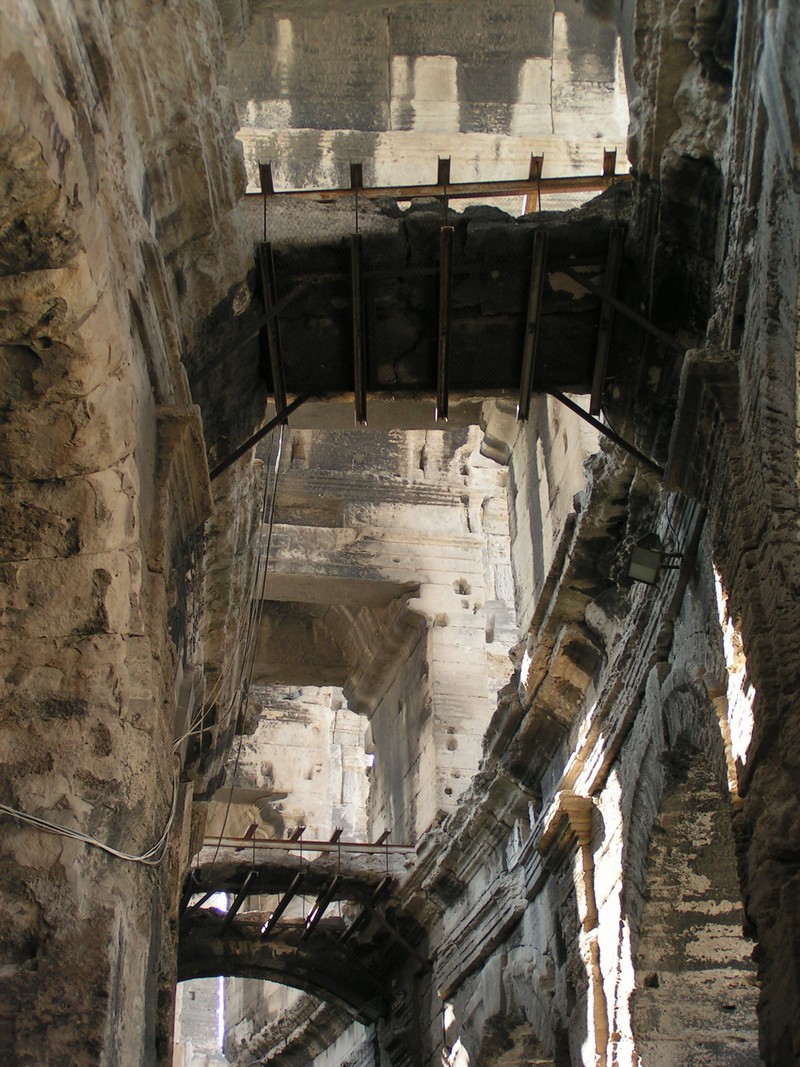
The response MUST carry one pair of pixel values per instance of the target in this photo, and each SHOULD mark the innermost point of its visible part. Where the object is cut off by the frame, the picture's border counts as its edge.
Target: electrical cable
(155, 854)
(151, 858)
(255, 615)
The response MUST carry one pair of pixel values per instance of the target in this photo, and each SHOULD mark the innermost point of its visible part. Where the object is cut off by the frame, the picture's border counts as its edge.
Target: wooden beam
(616, 241)
(357, 295)
(445, 320)
(534, 315)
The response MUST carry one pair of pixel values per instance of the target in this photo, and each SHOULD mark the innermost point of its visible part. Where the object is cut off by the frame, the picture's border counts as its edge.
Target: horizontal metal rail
(576, 183)
(351, 848)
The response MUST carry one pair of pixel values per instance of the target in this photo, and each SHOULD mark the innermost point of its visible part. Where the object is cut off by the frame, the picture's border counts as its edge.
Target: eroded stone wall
(114, 187)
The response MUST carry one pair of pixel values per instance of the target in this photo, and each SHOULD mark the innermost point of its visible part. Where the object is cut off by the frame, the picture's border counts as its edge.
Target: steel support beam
(269, 292)
(445, 321)
(607, 432)
(252, 441)
(357, 295)
(462, 190)
(623, 309)
(616, 241)
(532, 324)
(320, 907)
(283, 904)
(238, 900)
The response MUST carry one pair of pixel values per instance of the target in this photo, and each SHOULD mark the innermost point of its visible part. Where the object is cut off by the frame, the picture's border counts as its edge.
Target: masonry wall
(112, 188)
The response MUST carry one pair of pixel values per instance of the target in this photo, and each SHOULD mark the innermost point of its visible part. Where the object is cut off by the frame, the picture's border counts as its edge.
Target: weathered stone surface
(594, 820)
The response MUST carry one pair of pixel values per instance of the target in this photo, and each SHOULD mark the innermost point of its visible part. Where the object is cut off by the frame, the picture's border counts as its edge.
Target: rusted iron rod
(283, 904)
(357, 295)
(445, 319)
(461, 190)
(251, 442)
(532, 324)
(608, 432)
(366, 848)
(616, 242)
(623, 309)
(269, 291)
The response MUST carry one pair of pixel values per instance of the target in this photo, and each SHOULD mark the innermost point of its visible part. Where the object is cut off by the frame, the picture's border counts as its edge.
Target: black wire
(255, 612)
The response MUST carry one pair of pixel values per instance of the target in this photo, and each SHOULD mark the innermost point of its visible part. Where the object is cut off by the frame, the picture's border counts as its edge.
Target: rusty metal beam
(623, 309)
(607, 432)
(283, 904)
(253, 440)
(357, 294)
(269, 292)
(534, 203)
(445, 321)
(239, 899)
(462, 190)
(616, 241)
(187, 909)
(281, 844)
(265, 179)
(532, 324)
(319, 909)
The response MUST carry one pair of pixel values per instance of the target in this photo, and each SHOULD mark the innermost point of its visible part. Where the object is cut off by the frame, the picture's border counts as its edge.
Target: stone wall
(113, 189)
(396, 85)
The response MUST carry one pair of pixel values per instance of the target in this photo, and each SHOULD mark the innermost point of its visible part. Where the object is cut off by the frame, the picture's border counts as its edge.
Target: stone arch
(695, 994)
(319, 966)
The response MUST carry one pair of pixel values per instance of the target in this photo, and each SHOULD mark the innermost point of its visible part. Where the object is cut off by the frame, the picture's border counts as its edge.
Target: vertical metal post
(616, 241)
(532, 323)
(445, 319)
(359, 337)
(269, 292)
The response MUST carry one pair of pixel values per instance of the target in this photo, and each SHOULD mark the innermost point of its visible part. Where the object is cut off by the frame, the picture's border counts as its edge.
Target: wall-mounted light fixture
(647, 563)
